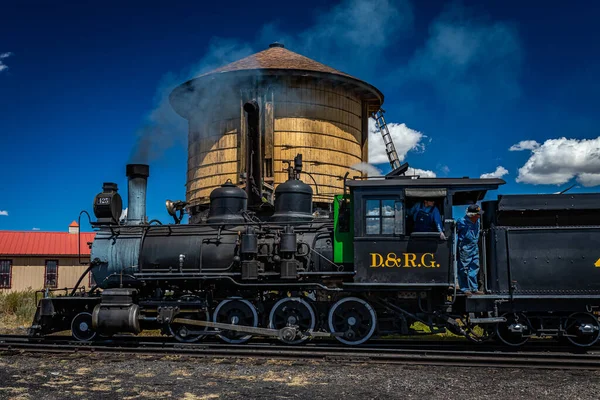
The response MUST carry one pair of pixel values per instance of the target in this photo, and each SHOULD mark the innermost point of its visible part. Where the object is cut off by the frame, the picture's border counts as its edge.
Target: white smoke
(346, 36)
(343, 37)
(123, 215)
(367, 168)
(466, 60)
(163, 127)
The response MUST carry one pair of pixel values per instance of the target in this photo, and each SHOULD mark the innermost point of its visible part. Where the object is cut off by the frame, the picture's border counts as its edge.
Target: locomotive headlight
(108, 205)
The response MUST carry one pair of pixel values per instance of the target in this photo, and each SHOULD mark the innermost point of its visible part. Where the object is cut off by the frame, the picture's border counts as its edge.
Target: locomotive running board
(250, 329)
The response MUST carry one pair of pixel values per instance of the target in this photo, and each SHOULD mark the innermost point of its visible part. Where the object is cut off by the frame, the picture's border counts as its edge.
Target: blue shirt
(435, 213)
(467, 233)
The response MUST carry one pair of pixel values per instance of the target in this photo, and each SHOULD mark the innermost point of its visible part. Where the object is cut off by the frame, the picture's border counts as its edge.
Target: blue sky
(469, 80)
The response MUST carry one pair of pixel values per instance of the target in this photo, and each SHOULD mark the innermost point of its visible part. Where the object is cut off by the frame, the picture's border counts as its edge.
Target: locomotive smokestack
(253, 159)
(137, 175)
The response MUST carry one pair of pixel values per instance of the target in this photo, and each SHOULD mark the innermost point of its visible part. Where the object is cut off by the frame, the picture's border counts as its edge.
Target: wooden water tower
(304, 107)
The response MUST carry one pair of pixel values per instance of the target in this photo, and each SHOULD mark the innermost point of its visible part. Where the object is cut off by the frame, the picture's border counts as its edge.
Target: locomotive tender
(285, 271)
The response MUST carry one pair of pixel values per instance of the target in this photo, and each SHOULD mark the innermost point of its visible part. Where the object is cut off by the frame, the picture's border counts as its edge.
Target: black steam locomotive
(358, 272)
(252, 267)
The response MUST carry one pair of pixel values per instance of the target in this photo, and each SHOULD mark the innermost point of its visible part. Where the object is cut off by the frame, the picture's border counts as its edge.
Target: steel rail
(446, 357)
(391, 344)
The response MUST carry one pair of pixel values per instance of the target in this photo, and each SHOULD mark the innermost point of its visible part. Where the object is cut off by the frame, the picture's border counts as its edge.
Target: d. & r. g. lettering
(404, 260)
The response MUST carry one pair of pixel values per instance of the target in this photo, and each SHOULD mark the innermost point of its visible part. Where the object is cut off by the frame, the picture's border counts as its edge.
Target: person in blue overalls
(427, 217)
(467, 230)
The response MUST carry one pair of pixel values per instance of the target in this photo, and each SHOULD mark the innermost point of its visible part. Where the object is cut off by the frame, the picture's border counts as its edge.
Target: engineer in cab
(426, 217)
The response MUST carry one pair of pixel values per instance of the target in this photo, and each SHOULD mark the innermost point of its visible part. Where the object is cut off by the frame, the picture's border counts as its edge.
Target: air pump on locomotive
(282, 270)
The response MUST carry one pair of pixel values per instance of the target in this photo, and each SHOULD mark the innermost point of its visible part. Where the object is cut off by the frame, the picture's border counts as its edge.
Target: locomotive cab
(387, 249)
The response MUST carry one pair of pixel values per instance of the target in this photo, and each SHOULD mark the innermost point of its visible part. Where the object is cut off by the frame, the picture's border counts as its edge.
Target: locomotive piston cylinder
(137, 175)
(116, 318)
(117, 313)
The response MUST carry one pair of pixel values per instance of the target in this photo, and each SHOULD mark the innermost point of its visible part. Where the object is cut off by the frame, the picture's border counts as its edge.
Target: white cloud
(445, 169)
(404, 138)
(557, 161)
(525, 145)
(423, 173)
(4, 213)
(4, 67)
(35, 229)
(498, 173)
(589, 179)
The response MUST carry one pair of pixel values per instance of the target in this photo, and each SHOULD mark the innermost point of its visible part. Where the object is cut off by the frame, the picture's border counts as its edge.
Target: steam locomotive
(354, 272)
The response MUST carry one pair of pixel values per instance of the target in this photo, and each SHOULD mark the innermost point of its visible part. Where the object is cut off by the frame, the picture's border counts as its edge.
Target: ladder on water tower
(390, 149)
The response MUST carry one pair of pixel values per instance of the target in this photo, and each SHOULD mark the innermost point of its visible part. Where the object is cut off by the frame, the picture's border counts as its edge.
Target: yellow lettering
(428, 264)
(391, 261)
(409, 260)
(376, 260)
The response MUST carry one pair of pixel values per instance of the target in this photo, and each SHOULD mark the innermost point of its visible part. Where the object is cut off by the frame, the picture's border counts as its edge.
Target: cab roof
(449, 183)
(463, 190)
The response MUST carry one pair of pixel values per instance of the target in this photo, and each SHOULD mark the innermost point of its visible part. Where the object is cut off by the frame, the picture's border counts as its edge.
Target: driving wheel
(236, 312)
(354, 318)
(292, 312)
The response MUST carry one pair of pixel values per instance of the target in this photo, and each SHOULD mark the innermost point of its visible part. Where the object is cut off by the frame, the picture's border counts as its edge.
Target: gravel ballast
(101, 376)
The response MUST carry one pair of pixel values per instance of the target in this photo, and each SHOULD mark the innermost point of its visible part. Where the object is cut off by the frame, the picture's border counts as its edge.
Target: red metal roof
(20, 243)
(73, 224)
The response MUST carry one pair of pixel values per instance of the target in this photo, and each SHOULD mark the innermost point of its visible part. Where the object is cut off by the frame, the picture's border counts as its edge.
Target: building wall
(29, 272)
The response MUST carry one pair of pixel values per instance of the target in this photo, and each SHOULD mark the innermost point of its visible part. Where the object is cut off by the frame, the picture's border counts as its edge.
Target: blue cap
(474, 209)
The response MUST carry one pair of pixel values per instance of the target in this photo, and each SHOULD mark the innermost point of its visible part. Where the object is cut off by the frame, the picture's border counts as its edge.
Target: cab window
(384, 217)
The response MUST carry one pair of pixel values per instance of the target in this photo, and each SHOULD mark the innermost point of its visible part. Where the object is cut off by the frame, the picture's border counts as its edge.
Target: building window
(384, 217)
(5, 274)
(51, 274)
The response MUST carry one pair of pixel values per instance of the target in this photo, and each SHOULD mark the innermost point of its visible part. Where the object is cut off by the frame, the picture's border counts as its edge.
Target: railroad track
(422, 344)
(374, 353)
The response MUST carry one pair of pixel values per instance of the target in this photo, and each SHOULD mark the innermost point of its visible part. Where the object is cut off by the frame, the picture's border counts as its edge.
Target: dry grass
(17, 310)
